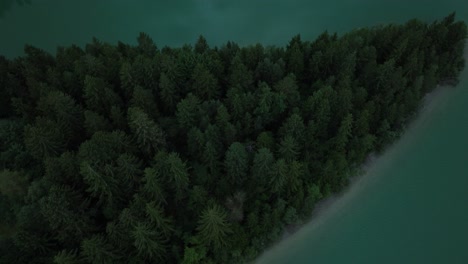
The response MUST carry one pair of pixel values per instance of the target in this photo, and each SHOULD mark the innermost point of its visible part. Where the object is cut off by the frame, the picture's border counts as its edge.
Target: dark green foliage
(187, 111)
(176, 173)
(95, 122)
(13, 185)
(236, 163)
(13, 153)
(213, 227)
(148, 135)
(168, 92)
(262, 165)
(63, 210)
(204, 85)
(279, 176)
(44, 138)
(134, 154)
(99, 96)
(97, 250)
(148, 242)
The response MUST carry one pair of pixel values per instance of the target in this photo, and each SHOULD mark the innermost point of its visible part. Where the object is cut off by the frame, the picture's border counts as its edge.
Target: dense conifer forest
(197, 154)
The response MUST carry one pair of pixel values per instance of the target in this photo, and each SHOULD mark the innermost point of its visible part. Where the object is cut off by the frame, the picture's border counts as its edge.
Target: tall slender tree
(213, 227)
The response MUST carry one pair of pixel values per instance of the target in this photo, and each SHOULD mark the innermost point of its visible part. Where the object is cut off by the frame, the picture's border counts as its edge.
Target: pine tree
(187, 110)
(155, 213)
(168, 92)
(296, 173)
(262, 165)
(176, 172)
(64, 110)
(344, 133)
(44, 139)
(213, 228)
(236, 163)
(149, 136)
(201, 46)
(97, 250)
(269, 72)
(288, 148)
(295, 57)
(239, 74)
(211, 158)
(95, 122)
(127, 80)
(98, 96)
(204, 83)
(13, 184)
(148, 242)
(279, 176)
(145, 100)
(130, 167)
(152, 185)
(146, 45)
(289, 89)
(194, 255)
(63, 210)
(67, 257)
(101, 182)
(294, 127)
(266, 140)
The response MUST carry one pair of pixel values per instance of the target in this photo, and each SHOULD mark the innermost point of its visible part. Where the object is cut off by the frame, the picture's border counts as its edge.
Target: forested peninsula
(197, 154)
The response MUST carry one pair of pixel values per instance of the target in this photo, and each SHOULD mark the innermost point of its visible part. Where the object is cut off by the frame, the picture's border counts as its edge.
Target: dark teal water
(412, 207)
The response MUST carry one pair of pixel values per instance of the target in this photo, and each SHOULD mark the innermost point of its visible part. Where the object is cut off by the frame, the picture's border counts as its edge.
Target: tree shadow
(6, 5)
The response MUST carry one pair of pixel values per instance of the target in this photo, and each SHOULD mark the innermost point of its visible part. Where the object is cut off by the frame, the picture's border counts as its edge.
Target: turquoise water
(411, 208)
(48, 23)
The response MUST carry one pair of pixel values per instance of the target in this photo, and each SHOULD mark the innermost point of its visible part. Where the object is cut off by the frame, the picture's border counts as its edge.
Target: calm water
(413, 205)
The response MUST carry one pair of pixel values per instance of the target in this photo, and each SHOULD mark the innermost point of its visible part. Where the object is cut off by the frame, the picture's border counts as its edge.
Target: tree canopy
(199, 154)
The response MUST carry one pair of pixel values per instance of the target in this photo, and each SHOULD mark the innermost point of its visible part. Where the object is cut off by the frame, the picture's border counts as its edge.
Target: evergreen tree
(95, 122)
(205, 85)
(63, 210)
(239, 74)
(295, 57)
(149, 136)
(288, 148)
(63, 109)
(201, 46)
(344, 133)
(187, 110)
(13, 184)
(67, 257)
(236, 163)
(44, 139)
(148, 242)
(153, 186)
(178, 174)
(262, 165)
(98, 96)
(156, 215)
(213, 227)
(146, 45)
(97, 250)
(144, 99)
(279, 176)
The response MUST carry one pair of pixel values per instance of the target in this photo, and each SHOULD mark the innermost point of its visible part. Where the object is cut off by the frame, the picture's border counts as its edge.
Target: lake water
(412, 207)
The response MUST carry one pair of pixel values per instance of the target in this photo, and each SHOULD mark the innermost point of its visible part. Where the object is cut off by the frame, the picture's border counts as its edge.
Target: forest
(119, 153)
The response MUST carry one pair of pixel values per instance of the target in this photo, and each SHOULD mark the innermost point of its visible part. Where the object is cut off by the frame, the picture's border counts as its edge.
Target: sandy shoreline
(331, 205)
